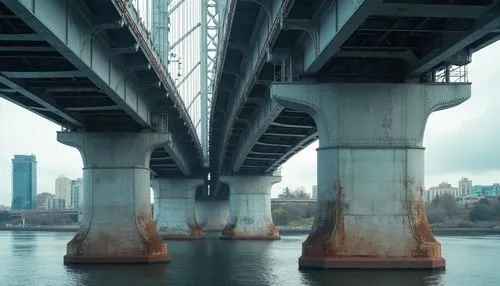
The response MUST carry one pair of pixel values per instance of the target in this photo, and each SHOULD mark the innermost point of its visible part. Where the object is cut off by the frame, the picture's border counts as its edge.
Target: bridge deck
(89, 65)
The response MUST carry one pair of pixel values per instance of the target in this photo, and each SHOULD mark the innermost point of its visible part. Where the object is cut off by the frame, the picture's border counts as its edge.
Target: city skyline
(460, 142)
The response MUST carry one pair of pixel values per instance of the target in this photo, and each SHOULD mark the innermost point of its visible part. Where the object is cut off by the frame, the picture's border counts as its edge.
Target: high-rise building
(63, 190)
(23, 182)
(464, 187)
(41, 200)
(314, 192)
(76, 193)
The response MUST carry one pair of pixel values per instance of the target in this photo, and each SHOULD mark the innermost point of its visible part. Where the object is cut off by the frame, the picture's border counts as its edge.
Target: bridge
(92, 67)
(270, 78)
(360, 76)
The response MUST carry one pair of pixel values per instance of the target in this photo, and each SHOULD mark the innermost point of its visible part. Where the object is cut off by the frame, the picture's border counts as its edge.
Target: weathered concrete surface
(370, 210)
(174, 198)
(116, 226)
(250, 208)
(212, 215)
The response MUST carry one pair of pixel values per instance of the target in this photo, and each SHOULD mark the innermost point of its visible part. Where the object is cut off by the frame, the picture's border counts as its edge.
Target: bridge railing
(173, 29)
(451, 74)
(186, 35)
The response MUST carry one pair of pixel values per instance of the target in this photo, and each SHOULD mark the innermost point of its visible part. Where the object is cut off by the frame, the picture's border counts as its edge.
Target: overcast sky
(462, 141)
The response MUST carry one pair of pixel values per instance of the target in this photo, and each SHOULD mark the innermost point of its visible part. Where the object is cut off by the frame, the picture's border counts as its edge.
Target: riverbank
(283, 230)
(40, 228)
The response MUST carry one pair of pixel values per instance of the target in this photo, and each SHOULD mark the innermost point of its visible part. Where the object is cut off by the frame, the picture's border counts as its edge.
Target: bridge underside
(287, 134)
(38, 77)
(88, 72)
(391, 41)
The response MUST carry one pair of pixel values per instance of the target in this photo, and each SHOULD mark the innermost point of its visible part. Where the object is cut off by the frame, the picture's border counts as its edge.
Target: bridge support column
(117, 225)
(250, 208)
(370, 209)
(212, 215)
(175, 218)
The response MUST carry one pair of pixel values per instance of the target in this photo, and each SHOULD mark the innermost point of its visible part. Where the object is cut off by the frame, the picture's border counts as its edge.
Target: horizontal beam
(153, 165)
(407, 55)
(20, 37)
(302, 144)
(4, 16)
(268, 112)
(272, 144)
(25, 49)
(429, 10)
(94, 108)
(337, 24)
(252, 167)
(451, 44)
(42, 74)
(409, 30)
(161, 158)
(291, 125)
(259, 159)
(127, 50)
(45, 101)
(486, 43)
(282, 134)
(71, 89)
(265, 153)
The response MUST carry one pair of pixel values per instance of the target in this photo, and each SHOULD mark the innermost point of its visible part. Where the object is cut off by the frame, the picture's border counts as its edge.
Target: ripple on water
(35, 258)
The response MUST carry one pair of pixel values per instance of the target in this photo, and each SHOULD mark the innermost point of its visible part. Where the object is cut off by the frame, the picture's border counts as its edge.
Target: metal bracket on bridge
(305, 25)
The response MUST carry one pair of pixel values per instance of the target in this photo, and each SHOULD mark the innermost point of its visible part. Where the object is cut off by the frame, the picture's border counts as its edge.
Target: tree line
(299, 193)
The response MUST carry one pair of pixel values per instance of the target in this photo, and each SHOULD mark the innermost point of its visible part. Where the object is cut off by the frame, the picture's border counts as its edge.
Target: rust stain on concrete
(153, 243)
(426, 245)
(195, 229)
(327, 237)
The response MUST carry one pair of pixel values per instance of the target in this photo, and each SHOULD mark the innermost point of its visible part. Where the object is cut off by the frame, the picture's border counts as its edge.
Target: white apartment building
(63, 190)
(464, 187)
(441, 189)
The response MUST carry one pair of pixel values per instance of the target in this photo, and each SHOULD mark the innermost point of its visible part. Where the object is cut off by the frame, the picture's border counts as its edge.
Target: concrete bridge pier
(250, 208)
(175, 198)
(116, 225)
(212, 215)
(370, 209)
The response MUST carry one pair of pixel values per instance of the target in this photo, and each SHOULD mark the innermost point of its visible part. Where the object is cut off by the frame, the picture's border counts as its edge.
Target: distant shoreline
(282, 230)
(41, 228)
(436, 231)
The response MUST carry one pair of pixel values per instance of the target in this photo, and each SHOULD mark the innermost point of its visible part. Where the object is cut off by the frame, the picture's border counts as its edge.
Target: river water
(35, 258)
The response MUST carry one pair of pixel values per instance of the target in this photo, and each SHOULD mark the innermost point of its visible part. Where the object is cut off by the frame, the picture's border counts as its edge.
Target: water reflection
(127, 274)
(373, 277)
(23, 243)
(31, 258)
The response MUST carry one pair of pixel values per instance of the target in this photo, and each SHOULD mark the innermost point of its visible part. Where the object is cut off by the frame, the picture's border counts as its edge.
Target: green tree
(435, 214)
(448, 203)
(484, 201)
(4, 216)
(286, 194)
(280, 216)
(300, 193)
(481, 212)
